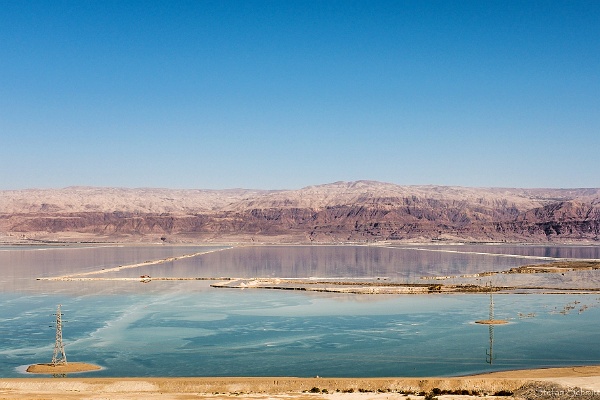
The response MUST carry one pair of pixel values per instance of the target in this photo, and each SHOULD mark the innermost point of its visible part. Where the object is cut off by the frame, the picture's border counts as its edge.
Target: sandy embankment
(62, 368)
(586, 378)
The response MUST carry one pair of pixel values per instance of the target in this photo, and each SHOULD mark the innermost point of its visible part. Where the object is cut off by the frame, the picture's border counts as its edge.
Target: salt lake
(187, 328)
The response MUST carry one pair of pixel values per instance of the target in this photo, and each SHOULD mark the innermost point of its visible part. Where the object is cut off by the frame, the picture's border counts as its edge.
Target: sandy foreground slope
(543, 383)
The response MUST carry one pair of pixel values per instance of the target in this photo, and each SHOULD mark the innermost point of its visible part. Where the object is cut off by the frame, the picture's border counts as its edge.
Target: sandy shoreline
(493, 385)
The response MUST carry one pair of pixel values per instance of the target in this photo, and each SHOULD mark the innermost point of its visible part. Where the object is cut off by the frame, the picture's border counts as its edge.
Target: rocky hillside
(338, 212)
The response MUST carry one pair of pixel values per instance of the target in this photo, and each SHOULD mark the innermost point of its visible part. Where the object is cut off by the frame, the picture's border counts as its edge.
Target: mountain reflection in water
(186, 328)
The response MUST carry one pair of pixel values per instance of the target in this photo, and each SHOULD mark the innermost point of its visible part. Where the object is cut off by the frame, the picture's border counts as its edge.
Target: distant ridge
(360, 211)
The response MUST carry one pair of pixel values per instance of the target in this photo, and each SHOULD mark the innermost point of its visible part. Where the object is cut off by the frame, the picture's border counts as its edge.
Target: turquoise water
(189, 329)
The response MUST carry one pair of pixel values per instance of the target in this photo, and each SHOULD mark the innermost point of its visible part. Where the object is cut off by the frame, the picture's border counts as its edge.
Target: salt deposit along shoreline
(130, 266)
(357, 285)
(552, 383)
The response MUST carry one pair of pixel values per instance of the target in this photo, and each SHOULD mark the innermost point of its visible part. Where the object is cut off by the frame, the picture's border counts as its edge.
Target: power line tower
(59, 356)
(491, 322)
(490, 353)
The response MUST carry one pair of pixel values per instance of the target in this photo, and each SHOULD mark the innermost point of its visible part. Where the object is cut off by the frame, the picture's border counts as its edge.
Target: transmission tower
(59, 356)
(490, 353)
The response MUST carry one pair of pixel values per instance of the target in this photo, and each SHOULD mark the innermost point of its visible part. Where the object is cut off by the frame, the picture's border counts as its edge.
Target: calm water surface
(189, 329)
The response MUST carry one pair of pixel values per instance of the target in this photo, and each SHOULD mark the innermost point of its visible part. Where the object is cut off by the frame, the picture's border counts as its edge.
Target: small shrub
(315, 390)
(503, 393)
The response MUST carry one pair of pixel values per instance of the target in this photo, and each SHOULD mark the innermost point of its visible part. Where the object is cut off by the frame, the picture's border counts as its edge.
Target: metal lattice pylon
(59, 356)
(490, 353)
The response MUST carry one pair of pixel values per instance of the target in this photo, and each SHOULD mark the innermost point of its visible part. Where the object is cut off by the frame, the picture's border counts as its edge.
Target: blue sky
(285, 94)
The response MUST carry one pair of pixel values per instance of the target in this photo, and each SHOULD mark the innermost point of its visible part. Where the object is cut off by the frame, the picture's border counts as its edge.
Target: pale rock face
(337, 212)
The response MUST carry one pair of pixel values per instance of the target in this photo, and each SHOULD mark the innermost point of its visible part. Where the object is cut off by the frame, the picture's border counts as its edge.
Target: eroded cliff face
(339, 212)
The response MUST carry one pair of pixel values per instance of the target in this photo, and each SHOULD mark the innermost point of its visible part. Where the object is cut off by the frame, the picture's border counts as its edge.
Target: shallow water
(186, 328)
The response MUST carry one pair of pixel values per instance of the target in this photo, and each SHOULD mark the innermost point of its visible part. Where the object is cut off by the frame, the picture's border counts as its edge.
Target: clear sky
(284, 94)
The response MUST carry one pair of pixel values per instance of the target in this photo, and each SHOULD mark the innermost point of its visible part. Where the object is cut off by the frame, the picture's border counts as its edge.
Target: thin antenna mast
(59, 356)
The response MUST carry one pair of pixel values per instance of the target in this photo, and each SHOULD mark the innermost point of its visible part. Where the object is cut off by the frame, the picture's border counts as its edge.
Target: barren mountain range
(362, 211)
